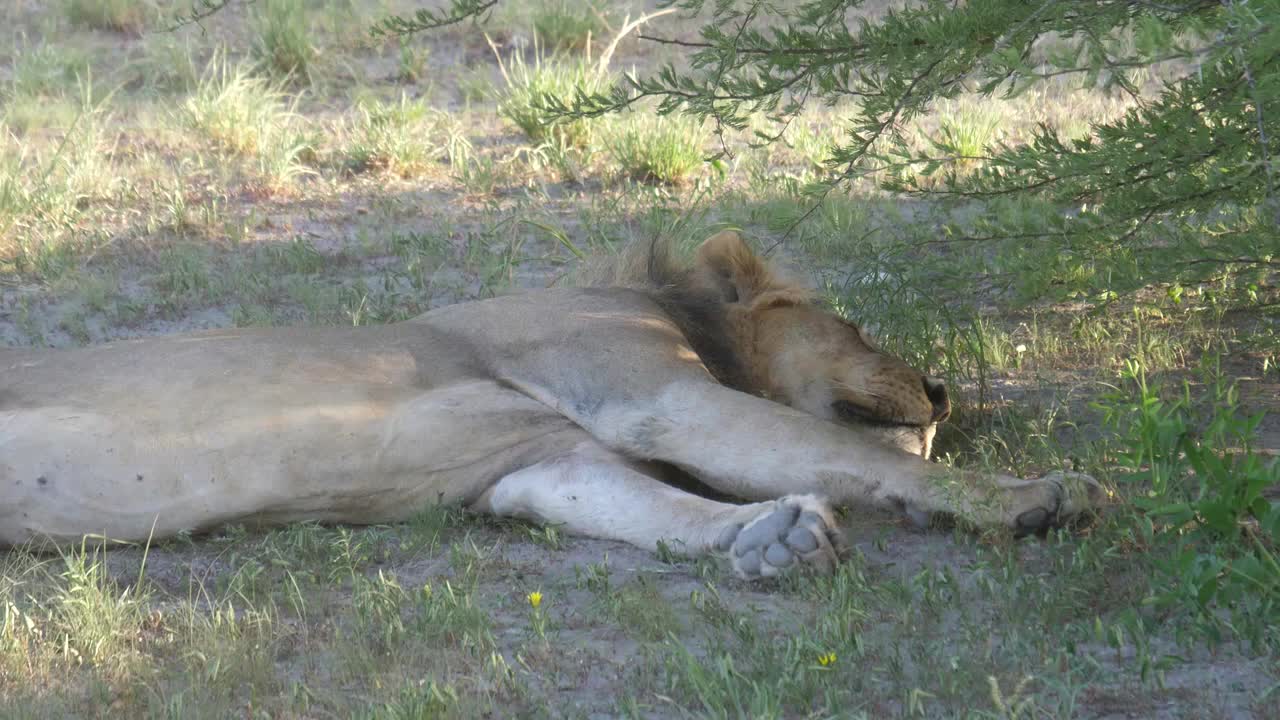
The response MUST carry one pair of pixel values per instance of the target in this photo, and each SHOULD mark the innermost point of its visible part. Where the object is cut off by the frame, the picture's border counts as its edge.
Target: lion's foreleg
(755, 449)
(593, 492)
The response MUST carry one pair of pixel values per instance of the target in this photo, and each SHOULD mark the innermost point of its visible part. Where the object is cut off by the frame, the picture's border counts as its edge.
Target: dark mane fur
(700, 310)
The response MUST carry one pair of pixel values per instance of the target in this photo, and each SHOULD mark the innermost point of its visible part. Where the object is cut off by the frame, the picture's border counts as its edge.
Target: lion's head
(790, 349)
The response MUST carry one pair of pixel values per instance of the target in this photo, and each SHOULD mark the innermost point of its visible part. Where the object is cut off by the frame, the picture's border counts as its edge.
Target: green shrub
(966, 132)
(398, 138)
(657, 148)
(236, 109)
(1193, 472)
(281, 38)
(119, 15)
(528, 86)
(568, 24)
(252, 117)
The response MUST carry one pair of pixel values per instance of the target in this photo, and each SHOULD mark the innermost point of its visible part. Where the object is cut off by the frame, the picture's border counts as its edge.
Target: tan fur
(552, 404)
(740, 272)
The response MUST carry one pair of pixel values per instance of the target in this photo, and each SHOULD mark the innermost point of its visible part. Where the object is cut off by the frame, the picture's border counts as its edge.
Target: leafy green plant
(448, 614)
(412, 61)
(415, 702)
(812, 141)
(530, 85)
(184, 274)
(119, 15)
(657, 148)
(283, 160)
(281, 37)
(377, 603)
(236, 109)
(398, 138)
(246, 115)
(965, 132)
(168, 63)
(43, 193)
(1195, 475)
(93, 619)
(478, 173)
(568, 24)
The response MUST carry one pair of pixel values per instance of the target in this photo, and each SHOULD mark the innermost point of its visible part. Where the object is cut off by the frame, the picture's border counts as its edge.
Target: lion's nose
(936, 390)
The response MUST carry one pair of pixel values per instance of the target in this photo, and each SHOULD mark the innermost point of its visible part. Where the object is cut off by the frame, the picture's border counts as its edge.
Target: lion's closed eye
(852, 412)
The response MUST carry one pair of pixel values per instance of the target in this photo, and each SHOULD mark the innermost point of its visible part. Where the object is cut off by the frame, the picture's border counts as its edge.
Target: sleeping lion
(563, 406)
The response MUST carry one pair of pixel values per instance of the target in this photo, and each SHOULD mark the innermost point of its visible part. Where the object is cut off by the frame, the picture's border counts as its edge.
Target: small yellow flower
(535, 599)
(827, 659)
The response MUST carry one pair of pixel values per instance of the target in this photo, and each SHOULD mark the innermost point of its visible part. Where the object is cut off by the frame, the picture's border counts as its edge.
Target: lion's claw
(797, 530)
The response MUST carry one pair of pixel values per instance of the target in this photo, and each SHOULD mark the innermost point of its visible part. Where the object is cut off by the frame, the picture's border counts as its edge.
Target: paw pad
(793, 531)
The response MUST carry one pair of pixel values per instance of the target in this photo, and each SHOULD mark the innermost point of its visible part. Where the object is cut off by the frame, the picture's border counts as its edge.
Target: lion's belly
(325, 452)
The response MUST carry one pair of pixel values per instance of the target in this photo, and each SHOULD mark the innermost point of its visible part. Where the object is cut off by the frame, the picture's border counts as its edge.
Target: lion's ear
(738, 272)
(783, 297)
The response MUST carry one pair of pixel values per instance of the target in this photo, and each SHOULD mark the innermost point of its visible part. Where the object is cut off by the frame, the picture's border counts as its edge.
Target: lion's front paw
(1048, 501)
(793, 531)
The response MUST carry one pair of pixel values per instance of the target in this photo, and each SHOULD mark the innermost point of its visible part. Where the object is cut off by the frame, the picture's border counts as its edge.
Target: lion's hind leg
(593, 492)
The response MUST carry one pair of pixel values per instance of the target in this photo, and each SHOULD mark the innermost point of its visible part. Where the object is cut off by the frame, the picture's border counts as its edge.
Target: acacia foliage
(1183, 185)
